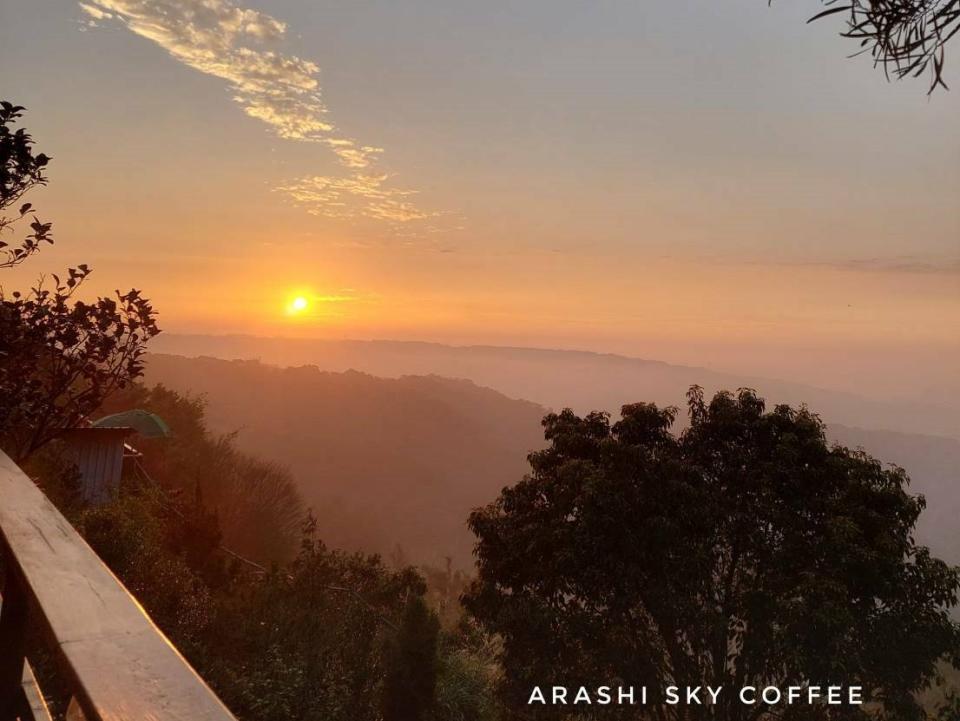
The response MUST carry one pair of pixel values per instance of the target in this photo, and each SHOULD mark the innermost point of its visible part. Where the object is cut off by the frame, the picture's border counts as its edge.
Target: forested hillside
(384, 463)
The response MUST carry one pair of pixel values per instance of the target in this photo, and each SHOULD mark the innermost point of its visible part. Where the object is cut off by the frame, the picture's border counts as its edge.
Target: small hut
(98, 454)
(99, 450)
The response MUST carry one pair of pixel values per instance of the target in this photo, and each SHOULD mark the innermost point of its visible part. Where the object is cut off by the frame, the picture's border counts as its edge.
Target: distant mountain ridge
(402, 461)
(581, 380)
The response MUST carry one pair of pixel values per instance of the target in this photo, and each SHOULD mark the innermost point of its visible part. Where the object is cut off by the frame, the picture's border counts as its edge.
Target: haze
(706, 183)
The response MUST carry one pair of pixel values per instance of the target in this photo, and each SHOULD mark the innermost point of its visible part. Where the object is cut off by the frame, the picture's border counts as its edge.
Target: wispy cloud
(241, 47)
(323, 195)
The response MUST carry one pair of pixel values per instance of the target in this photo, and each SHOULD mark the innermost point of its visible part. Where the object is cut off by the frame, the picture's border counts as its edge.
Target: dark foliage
(904, 37)
(313, 633)
(308, 641)
(257, 505)
(410, 684)
(20, 170)
(59, 356)
(746, 551)
(305, 640)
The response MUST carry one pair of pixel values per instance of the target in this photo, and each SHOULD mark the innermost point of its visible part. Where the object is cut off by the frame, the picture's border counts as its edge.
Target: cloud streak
(240, 46)
(322, 195)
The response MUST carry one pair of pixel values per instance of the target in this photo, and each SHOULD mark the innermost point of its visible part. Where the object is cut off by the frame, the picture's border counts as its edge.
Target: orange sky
(504, 174)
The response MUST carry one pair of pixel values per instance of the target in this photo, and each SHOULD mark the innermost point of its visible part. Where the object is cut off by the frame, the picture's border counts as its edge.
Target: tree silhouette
(20, 170)
(746, 551)
(904, 37)
(410, 679)
(59, 356)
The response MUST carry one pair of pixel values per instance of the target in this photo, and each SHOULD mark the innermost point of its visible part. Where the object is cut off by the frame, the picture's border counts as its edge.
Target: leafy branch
(904, 37)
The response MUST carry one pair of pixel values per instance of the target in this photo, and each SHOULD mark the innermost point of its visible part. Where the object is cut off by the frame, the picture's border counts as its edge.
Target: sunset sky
(701, 181)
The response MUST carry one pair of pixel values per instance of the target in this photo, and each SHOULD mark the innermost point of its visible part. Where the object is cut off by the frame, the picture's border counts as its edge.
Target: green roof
(147, 424)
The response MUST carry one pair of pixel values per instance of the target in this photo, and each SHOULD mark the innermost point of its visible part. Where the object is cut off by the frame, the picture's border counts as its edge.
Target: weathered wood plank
(124, 668)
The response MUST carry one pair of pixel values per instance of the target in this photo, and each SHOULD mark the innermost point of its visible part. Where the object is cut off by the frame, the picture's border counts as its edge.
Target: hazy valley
(388, 462)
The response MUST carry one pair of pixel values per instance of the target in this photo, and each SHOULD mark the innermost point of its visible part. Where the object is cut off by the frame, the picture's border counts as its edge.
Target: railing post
(13, 631)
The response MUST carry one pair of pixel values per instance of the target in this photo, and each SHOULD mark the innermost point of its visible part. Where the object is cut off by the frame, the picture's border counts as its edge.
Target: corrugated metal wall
(98, 454)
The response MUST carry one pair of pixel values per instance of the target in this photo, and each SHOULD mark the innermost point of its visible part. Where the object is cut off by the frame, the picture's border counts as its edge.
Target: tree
(410, 682)
(905, 37)
(745, 551)
(310, 641)
(468, 675)
(257, 503)
(20, 170)
(59, 356)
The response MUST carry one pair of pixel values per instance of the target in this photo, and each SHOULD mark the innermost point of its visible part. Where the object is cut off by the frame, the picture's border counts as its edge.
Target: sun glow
(297, 305)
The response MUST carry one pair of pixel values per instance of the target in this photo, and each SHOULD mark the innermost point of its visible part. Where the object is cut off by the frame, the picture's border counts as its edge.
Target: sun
(298, 305)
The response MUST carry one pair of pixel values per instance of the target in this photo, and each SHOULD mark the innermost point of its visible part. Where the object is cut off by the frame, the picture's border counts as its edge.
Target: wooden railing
(118, 665)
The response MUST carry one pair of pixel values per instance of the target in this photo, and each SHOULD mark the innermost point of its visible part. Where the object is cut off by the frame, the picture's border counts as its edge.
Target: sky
(699, 181)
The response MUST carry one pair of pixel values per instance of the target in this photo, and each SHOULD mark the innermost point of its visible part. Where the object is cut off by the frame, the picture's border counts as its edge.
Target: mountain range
(394, 465)
(580, 380)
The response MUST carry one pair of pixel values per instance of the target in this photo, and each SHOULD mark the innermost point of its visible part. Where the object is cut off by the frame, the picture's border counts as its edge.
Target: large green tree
(743, 551)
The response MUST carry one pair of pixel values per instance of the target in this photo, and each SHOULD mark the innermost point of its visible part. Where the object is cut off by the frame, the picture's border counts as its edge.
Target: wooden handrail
(119, 665)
